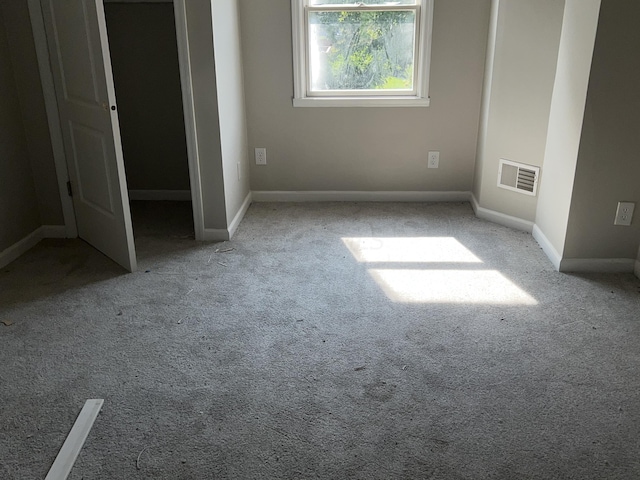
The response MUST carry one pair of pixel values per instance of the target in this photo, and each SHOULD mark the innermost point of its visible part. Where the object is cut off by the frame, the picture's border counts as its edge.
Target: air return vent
(518, 177)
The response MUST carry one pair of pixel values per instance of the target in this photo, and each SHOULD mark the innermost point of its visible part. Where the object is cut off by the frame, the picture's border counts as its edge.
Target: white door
(81, 66)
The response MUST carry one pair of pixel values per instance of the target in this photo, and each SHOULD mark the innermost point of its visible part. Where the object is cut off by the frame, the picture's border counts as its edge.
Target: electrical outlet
(261, 156)
(434, 160)
(624, 214)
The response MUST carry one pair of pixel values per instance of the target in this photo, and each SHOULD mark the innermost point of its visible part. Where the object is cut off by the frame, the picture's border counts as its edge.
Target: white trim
(21, 247)
(426, 40)
(53, 231)
(215, 235)
(358, 196)
(171, 195)
(302, 97)
(500, 218)
(547, 247)
(361, 102)
(75, 440)
(190, 124)
(598, 265)
(298, 35)
(584, 265)
(11, 253)
(235, 223)
(51, 106)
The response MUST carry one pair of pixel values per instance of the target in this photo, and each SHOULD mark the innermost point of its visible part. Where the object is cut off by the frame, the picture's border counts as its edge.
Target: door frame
(188, 107)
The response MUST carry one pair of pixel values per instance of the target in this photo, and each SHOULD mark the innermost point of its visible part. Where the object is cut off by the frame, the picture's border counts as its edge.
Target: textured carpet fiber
(324, 341)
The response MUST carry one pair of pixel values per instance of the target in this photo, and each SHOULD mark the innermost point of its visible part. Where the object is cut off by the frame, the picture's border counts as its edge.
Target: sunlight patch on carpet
(410, 250)
(450, 286)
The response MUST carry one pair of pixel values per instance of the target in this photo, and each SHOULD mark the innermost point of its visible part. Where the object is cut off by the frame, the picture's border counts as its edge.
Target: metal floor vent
(518, 177)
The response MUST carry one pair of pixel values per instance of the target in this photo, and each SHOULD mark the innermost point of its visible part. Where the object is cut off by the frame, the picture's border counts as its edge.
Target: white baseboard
(597, 265)
(358, 196)
(222, 234)
(235, 223)
(11, 253)
(54, 231)
(215, 235)
(584, 265)
(170, 195)
(500, 218)
(547, 247)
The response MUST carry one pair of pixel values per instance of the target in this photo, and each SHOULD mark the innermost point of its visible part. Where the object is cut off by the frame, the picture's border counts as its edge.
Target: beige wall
(365, 149)
(144, 57)
(231, 104)
(518, 88)
(19, 214)
(608, 166)
(34, 117)
(565, 121)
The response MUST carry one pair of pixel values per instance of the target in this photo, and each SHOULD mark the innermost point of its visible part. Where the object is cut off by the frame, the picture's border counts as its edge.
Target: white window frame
(303, 97)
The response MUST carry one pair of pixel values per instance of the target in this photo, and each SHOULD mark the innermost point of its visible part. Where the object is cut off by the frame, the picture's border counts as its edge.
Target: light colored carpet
(334, 341)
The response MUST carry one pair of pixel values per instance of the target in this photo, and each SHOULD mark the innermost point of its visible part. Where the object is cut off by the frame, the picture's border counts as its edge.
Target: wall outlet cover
(261, 156)
(624, 214)
(433, 160)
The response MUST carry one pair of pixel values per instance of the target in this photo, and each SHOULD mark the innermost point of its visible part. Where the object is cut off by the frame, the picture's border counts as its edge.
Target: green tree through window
(363, 50)
(369, 53)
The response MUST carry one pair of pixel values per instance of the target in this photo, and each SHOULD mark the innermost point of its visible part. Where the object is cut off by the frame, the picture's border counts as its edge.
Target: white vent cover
(518, 177)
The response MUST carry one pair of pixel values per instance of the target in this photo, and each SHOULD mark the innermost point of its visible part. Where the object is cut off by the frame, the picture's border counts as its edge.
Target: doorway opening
(146, 71)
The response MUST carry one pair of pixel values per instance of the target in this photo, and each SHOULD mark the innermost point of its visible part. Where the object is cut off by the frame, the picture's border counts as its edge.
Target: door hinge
(69, 189)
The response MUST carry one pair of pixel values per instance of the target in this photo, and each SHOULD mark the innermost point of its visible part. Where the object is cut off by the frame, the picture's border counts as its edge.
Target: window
(374, 53)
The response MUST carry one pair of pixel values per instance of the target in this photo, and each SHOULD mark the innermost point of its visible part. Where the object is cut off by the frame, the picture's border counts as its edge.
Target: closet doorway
(146, 74)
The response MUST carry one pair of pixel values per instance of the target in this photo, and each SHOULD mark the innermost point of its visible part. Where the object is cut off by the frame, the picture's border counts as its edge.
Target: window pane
(362, 50)
(368, 2)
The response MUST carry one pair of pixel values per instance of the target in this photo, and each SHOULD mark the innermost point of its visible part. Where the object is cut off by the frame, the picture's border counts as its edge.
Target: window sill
(361, 102)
